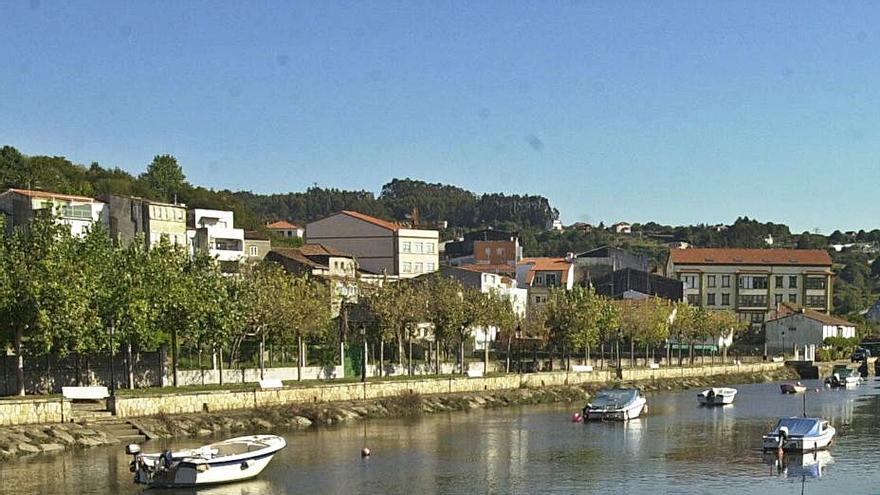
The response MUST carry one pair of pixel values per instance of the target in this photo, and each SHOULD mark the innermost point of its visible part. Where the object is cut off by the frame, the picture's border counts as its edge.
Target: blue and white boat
(799, 435)
(231, 460)
(616, 404)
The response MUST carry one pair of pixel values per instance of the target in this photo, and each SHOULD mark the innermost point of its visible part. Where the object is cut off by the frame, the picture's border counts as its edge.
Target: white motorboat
(716, 396)
(796, 388)
(844, 377)
(616, 404)
(231, 460)
(799, 435)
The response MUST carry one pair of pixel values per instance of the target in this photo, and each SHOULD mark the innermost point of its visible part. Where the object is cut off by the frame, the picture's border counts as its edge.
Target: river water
(678, 447)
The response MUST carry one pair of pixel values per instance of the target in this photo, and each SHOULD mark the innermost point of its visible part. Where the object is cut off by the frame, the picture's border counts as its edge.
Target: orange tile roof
(547, 264)
(737, 256)
(788, 309)
(487, 268)
(315, 249)
(51, 195)
(373, 220)
(282, 224)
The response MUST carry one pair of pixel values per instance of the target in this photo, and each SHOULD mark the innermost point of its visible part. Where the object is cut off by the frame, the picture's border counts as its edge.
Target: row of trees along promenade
(68, 296)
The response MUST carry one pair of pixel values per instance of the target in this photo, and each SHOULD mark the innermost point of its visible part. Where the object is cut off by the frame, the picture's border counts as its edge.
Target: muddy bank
(28, 440)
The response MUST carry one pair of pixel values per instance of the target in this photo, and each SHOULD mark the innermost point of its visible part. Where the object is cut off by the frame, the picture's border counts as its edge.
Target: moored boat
(844, 377)
(616, 404)
(799, 435)
(796, 388)
(716, 396)
(231, 460)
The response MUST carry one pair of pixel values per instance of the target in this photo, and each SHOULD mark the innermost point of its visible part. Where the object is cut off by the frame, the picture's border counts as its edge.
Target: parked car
(860, 355)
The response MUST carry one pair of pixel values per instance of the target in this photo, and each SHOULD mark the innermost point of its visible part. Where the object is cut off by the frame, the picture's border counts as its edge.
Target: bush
(825, 354)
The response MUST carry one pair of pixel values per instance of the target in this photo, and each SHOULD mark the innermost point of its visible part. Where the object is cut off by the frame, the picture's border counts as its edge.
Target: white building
(286, 229)
(213, 232)
(622, 228)
(795, 327)
(379, 246)
(80, 213)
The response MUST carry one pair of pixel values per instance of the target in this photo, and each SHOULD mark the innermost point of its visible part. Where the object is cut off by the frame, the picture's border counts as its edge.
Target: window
(792, 298)
(406, 247)
(815, 283)
(753, 282)
(725, 281)
(779, 280)
(710, 281)
(429, 247)
(418, 268)
(710, 299)
(725, 299)
(407, 267)
(690, 281)
(778, 299)
(752, 301)
(551, 279)
(539, 279)
(792, 282)
(816, 301)
(429, 267)
(417, 247)
(693, 299)
(254, 251)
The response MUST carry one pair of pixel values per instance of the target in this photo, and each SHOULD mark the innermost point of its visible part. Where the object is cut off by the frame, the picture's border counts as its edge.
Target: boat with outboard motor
(796, 388)
(616, 404)
(799, 435)
(716, 396)
(844, 377)
(231, 460)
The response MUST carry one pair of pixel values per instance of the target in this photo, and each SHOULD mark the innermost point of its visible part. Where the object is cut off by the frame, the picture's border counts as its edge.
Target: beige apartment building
(753, 282)
(379, 246)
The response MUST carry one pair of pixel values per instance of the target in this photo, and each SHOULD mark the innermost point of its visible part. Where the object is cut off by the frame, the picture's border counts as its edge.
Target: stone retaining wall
(229, 400)
(28, 411)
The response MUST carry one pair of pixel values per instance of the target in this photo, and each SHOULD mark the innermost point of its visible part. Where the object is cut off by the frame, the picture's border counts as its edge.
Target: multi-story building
(753, 282)
(601, 262)
(380, 246)
(80, 213)
(213, 232)
(130, 217)
(540, 275)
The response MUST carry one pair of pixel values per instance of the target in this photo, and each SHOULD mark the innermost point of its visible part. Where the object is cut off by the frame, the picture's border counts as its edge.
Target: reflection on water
(678, 447)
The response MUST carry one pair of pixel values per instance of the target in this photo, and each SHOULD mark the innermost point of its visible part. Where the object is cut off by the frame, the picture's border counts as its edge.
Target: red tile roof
(487, 268)
(315, 249)
(736, 256)
(282, 225)
(373, 220)
(788, 309)
(547, 264)
(51, 195)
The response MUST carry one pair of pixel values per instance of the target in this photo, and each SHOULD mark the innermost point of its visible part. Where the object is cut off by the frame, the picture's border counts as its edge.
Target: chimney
(569, 257)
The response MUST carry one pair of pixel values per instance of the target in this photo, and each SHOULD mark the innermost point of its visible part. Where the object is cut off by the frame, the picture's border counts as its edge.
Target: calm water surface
(678, 447)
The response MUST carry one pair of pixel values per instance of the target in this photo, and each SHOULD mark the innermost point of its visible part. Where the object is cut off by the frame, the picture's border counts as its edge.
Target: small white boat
(797, 388)
(716, 396)
(231, 460)
(616, 404)
(844, 377)
(799, 435)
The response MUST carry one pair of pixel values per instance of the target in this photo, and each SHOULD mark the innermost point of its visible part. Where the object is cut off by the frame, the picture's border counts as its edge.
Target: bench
(270, 384)
(474, 373)
(85, 393)
(654, 366)
(581, 368)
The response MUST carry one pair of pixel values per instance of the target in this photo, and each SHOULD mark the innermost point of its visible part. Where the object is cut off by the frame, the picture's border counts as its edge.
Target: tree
(165, 176)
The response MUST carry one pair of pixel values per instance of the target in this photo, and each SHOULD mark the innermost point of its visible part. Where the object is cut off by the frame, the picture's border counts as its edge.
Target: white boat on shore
(716, 396)
(616, 404)
(231, 460)
(799, 435)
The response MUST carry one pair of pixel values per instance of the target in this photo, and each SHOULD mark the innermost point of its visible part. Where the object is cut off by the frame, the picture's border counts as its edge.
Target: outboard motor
(783, 436)
(133, 450)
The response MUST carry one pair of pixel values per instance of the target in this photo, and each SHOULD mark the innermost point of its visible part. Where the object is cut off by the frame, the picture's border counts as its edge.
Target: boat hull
(627, 413)
(788, 388)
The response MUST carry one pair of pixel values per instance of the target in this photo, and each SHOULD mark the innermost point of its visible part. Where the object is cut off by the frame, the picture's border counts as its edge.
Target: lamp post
(783, 344)
(364, 363)
(112, 371)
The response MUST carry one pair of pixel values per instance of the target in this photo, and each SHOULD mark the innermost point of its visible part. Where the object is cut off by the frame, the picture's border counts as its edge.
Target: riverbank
(26, 440)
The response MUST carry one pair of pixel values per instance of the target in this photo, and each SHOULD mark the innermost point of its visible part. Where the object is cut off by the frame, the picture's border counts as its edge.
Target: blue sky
(678, 112)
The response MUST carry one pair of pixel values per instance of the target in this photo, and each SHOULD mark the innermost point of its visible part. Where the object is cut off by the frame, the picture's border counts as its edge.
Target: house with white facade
(80, 213)
(795, 327)
(622, 228)
(214, 232)
(380, 246)
(540, 275)
(286, 230)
